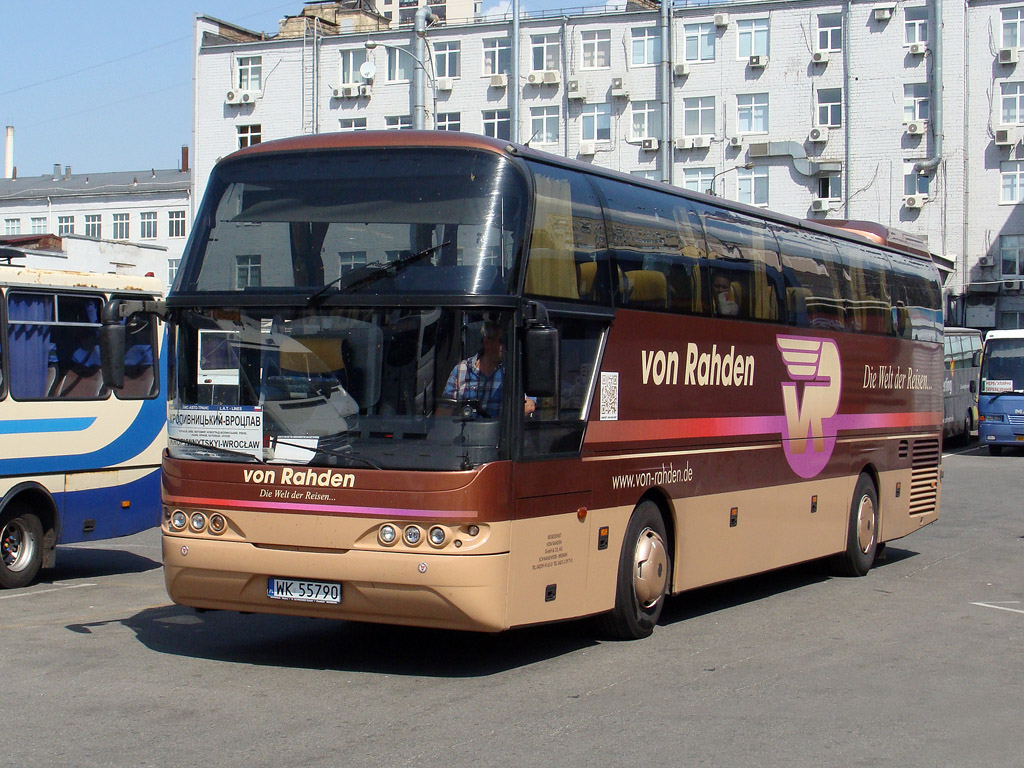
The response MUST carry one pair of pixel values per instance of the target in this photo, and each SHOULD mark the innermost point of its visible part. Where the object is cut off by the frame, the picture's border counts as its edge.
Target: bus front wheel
(995, 450)
(642, 577)
(21, 547)
(862, 533)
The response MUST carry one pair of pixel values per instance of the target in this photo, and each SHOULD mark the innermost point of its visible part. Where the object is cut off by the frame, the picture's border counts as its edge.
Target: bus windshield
(383, 220)
(1002, 370)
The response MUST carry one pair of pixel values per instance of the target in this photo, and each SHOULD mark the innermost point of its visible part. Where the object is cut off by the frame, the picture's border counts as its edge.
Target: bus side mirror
(974, 387)
(976, 359)
(540, 361)
(112, 342)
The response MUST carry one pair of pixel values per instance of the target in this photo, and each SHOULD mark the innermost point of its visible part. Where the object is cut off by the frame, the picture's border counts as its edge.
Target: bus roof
(25, 277)
(1011, 334)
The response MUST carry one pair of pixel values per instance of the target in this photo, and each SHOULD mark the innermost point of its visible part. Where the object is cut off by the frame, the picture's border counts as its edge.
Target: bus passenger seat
(796, 305)
(586, 271)
(647, 288)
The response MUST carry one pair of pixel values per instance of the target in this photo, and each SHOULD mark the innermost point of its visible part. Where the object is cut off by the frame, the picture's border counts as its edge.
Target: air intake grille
(924, 477)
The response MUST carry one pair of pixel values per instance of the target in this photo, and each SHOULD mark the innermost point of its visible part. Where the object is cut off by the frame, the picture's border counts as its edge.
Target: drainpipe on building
(513, 86)
(932, 162)
(423, 17)
(965, 228)
(565, 91)
(665, 67)
(847, 55)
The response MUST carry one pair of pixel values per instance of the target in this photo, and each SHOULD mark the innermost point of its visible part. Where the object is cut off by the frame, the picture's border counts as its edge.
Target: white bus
(78, 460)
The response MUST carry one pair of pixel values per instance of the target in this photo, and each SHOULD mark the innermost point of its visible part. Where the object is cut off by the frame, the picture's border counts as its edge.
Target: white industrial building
(909, 114)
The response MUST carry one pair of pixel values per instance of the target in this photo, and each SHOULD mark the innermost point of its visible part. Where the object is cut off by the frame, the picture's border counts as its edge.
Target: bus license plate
(304, 591)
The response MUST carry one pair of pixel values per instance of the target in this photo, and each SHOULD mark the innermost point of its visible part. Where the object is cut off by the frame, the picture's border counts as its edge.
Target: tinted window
(813, 280)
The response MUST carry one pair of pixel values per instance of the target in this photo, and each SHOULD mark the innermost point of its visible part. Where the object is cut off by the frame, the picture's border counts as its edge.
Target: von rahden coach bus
(435, 379)
(78, 461)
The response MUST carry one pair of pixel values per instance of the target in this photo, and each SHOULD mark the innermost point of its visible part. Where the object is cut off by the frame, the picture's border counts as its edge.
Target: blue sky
(106, 85)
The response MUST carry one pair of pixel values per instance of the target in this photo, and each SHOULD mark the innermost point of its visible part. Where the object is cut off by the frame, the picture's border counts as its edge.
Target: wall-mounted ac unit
(551, 77)
(1011, 285)
(346, 91)
(721, 19)
(985, 260)
(917, 49)
(1007, 136)
(535, 78)
(499, 81)
(700, 142)
(366, 90)
(684, 142)
(758, 61)
(588, 147)
(915, 201)
(445, 83)
(1008, 55)
(574, 89)
(649, 144)
(619, 89)
(818, 134)
(916, 127)
(882, 12)
(238, 96)
(820, 57)
(819, 204)
(736, 141)
(681, 70)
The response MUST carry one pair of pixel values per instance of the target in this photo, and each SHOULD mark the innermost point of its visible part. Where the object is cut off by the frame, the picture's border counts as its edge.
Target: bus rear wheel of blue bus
(21, 547)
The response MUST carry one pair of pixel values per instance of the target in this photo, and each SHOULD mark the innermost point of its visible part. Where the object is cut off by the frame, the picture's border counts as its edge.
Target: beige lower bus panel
(897, 521)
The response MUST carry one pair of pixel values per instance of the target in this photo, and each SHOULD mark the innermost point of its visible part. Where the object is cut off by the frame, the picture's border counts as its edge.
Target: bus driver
(479, 378)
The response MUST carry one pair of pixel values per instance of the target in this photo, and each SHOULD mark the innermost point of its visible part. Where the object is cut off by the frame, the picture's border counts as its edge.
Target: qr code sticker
(609, 396)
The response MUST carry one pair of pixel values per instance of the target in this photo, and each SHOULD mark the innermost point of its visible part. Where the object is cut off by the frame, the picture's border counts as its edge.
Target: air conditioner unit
(1011, 285)
(574, 89)
(535, 78)
(684, 142)
(649, 144)
(445, 83)
(619, 89)
(916, 127)
(820, 57)
(918, 49)
(346, 91)
(588, 147)
(238, 96)
(819, 204)
(818, 134)
(985, 260)
(736, 141)
(882, 13)
(915, 201)
(499, 81)
(551, 77)
(1008, 55)
(758, 61)
(681, 70)
(366, 90)
(1006, 137)
(700, 142)
(721, 19)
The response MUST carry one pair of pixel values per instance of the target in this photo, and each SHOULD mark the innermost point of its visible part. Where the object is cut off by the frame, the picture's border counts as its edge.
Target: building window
(1011, 255)
(12, 226)
(916, 25)
(449, 121)
(698, 179)
(147, 225)
(544, 125)
(914, 182)
(352, 124)
(753, 37)
(498, 124)
(646, 120)
(545, 50)
(65, 225)
(446, 59)
(398, 123)
(400, 64)
(247, 271)
(175, 223)
(646, 49)
(752, 113)
(93, 225)
(1010, 321)
(699, 44)
(249, 135)
(172, 270)
(699, 116)
(830, 186)
(1013, 26)
(596, 122)
(752, 185)
(497, 55)
(250, 73)
(830, 107)
(652, 174)
(121, 228)
(830, 31)
(38, 225)
(1012, 174)
(915, 101)
(597, 49)
(1012, 103)
(351, 61)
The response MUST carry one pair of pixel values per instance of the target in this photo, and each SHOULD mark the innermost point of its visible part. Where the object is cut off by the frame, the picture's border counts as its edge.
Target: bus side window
(814, 294)
(870, 304)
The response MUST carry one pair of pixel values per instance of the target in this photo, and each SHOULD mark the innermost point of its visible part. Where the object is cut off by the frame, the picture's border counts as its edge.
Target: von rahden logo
(809, 435)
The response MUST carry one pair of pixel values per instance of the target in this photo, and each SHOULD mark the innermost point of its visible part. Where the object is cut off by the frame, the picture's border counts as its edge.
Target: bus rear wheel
(862, 533)
(21, 547)
(642, 578)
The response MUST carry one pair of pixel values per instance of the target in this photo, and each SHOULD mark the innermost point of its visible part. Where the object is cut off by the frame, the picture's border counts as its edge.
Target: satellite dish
(367, 70)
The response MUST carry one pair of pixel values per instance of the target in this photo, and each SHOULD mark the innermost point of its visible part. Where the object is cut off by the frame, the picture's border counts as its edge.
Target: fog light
(473, 530)
(412, 535)
(217, 523)
(437, 535)
(387, 534)
(197, 522)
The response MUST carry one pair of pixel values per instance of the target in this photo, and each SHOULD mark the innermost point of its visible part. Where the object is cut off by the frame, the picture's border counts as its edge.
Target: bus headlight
(387, 534)
(437, 535)
(412, 535)
(197, 522)
(178, 520)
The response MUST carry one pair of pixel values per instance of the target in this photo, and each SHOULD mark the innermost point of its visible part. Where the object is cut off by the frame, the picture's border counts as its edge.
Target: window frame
(647, 42)
(698, 34)
(753, 37)
(597, 43)
(751, 112)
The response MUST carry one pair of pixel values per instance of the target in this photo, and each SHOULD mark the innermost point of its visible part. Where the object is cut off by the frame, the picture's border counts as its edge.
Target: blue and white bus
(78, 460)
(1001, 403)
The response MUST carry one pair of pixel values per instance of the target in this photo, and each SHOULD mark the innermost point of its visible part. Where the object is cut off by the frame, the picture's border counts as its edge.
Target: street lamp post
(424, 16)
(745, 166)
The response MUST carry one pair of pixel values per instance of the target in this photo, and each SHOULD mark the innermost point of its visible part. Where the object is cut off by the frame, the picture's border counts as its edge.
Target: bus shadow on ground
(91, 563)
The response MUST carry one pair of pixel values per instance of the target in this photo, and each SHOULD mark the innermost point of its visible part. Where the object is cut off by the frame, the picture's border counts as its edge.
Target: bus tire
(995, 450)
(642, 578)
(862, 532)
(21, 547)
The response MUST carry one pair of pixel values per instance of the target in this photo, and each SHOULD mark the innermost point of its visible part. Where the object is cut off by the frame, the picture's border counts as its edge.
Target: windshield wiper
(341, 454)
(1010, 392)
(217, 449)
(391, 269)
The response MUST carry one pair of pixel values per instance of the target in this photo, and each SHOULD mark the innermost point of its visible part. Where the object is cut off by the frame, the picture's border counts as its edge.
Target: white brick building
(896, 112)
